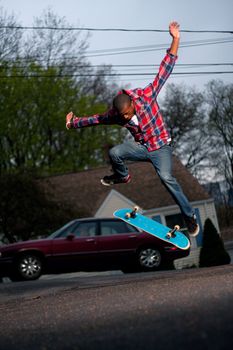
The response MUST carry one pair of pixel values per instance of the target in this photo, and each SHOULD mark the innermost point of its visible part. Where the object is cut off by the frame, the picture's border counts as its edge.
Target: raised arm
(167, 64)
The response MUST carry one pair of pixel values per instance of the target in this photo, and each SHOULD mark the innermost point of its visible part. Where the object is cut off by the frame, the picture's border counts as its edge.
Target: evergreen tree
(212, 252)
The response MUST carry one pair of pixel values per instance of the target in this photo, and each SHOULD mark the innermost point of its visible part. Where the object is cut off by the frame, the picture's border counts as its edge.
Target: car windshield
(56, 233)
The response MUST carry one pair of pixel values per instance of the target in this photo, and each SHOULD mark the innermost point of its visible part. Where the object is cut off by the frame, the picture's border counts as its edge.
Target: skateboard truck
(171, 233)
(132, 214)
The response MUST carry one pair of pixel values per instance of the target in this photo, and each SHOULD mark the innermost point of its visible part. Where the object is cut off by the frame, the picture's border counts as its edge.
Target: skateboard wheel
(168, 235)
(136, 208)
(127, 215)
(177, 227)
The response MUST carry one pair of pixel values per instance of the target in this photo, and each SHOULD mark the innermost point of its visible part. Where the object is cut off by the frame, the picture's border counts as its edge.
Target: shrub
(212, 252)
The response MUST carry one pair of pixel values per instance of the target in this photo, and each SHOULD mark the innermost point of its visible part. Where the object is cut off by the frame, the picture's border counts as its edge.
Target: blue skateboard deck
(152, 227)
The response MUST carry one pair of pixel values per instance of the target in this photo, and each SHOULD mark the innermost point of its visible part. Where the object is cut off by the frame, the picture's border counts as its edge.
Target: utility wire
(137, 66)
(111, 29)
(159, 49)
(152, 46)
(109, 74)
(145, 48)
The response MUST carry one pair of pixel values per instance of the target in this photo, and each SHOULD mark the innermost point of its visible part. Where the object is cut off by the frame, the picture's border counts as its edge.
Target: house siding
(207, 210)
(190, 261)
(112, 202)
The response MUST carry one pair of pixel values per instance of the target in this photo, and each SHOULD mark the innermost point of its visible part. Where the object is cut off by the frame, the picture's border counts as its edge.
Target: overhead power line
(134, 49)
(109, 74)
(112, 29)
(113, 66)
(182, 45)
(153, 46)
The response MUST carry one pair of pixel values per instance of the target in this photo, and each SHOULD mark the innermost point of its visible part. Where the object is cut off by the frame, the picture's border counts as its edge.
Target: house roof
(84, 193)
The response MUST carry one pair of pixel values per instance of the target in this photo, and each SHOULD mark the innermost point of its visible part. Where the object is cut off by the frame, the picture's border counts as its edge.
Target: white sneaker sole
(111, 184)
(195, 233)
(105, 183)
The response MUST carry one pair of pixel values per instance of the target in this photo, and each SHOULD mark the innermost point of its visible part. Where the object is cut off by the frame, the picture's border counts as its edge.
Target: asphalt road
(182, 309)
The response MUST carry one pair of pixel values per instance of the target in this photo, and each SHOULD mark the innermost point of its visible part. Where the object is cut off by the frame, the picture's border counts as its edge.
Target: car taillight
(170, 248)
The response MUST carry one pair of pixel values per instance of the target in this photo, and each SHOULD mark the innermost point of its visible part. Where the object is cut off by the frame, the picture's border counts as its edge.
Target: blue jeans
(162, 162)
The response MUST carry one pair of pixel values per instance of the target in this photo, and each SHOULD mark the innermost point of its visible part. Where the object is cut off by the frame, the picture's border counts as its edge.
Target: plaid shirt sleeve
(107, 118)
(165, 69)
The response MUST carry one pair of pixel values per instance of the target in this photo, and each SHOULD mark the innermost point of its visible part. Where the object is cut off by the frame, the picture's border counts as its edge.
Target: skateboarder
(138, 111)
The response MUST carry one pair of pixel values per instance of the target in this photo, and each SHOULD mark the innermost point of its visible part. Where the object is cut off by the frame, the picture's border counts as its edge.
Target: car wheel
(29, 267)
(149, 259)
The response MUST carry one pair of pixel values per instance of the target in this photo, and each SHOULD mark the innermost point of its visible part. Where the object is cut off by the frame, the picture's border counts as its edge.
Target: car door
(76, 247)
(116, 240)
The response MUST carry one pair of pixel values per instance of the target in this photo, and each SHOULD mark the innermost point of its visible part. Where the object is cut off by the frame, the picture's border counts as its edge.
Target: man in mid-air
(138, 111)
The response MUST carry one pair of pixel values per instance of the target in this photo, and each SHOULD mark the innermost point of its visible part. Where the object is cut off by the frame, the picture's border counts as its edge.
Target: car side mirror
(70, 237)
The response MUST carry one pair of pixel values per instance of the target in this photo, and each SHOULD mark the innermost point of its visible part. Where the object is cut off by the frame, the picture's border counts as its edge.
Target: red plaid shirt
(151, 130)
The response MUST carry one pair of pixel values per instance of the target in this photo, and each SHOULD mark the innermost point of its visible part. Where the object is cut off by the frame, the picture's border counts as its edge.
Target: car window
(64, 231)
(113, 227)
(85, 229)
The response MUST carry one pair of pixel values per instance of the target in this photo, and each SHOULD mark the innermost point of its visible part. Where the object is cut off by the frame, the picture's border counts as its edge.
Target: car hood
(24, 244)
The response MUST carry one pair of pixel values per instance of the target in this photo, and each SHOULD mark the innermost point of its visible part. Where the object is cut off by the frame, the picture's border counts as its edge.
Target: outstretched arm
(167, 64)
(73, 122)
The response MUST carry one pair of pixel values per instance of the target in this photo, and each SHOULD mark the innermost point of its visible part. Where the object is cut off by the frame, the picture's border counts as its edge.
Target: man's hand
(69, 120)
(174, 30)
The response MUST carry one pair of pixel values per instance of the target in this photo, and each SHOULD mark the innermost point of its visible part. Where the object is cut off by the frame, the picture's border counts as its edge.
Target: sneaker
(114, 179)
(192, 225)
(69, 120)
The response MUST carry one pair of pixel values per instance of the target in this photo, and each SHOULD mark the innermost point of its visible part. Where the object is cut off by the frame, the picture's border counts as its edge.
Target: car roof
(96, 219)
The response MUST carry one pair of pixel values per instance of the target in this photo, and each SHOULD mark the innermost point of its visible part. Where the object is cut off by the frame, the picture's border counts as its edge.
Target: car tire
(149, 259)
(28, 267)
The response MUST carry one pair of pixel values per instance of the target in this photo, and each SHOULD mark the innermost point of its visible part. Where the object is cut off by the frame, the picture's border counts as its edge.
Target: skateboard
(134, 218)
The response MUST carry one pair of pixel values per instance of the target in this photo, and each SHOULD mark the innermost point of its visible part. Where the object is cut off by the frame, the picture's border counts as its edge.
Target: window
(175, 219)
(64, 231)
(114, 227)
(157, 218)
(85, 229)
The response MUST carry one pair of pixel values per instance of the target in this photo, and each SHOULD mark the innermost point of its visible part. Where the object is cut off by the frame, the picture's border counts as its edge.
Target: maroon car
(88, 245)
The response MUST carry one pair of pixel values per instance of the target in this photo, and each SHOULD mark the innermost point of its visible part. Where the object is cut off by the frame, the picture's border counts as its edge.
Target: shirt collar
(134, 94)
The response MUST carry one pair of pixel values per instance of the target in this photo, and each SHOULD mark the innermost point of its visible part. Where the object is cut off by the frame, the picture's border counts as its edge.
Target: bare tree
(53, 46)
(65, 50)
(220, 101)
(10, 38)
(185, 114)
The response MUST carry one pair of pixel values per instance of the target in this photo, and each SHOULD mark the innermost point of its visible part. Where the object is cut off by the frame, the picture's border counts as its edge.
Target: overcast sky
(153, 14)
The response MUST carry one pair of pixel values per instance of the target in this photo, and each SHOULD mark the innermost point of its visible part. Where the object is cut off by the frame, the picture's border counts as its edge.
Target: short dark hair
(120, 100)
